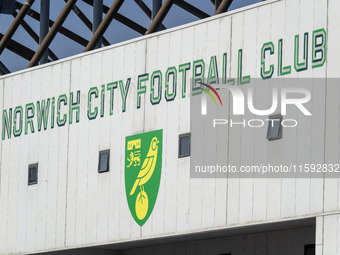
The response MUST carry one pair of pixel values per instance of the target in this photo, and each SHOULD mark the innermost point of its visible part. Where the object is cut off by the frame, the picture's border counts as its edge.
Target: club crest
(143, 165)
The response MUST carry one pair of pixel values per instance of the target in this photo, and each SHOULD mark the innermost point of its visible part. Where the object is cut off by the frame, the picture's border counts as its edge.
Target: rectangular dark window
(104, 161)
(32, 174)
(184, 145)
(310, 249)
(274, 127)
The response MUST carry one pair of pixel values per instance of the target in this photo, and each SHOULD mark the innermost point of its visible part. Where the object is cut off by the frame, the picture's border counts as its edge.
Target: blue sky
(64, 47)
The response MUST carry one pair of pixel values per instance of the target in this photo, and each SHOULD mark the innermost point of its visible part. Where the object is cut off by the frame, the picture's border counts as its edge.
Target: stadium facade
(73, 129)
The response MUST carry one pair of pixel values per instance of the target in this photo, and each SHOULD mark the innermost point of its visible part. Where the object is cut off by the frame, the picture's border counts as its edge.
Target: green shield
(143, 165)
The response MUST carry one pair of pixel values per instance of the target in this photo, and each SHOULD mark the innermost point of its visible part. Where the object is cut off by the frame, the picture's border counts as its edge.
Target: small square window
(104, 161)
(184, 145)
(274, 127)
(310, 249)
(32, 174)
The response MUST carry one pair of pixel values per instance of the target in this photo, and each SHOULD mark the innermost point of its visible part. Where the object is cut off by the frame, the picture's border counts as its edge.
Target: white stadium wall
(74, 206)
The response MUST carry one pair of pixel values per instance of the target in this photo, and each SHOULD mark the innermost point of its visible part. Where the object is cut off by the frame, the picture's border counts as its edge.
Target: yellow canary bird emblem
(143, 168)
(148, 166)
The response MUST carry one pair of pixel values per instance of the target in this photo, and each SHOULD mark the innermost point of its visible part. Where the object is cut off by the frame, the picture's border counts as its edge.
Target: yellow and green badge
(143, 165)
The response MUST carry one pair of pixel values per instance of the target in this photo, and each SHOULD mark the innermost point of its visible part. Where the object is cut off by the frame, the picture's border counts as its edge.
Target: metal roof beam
(129, 23)
(35, 37)
(144, 8)
(192, 9)
(97, 18)
(15, 24)
(223, 7)
(64, 31)
(3, 69)
(217, 4)
(86, 21)
(52, 33)
(156, 6)
(19, 49)
(44, 26)
(147, 11)
(122, 19)
(160, 16)
(104, 25)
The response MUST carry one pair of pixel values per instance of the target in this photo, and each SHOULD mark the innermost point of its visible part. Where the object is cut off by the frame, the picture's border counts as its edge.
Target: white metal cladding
(74, 206)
